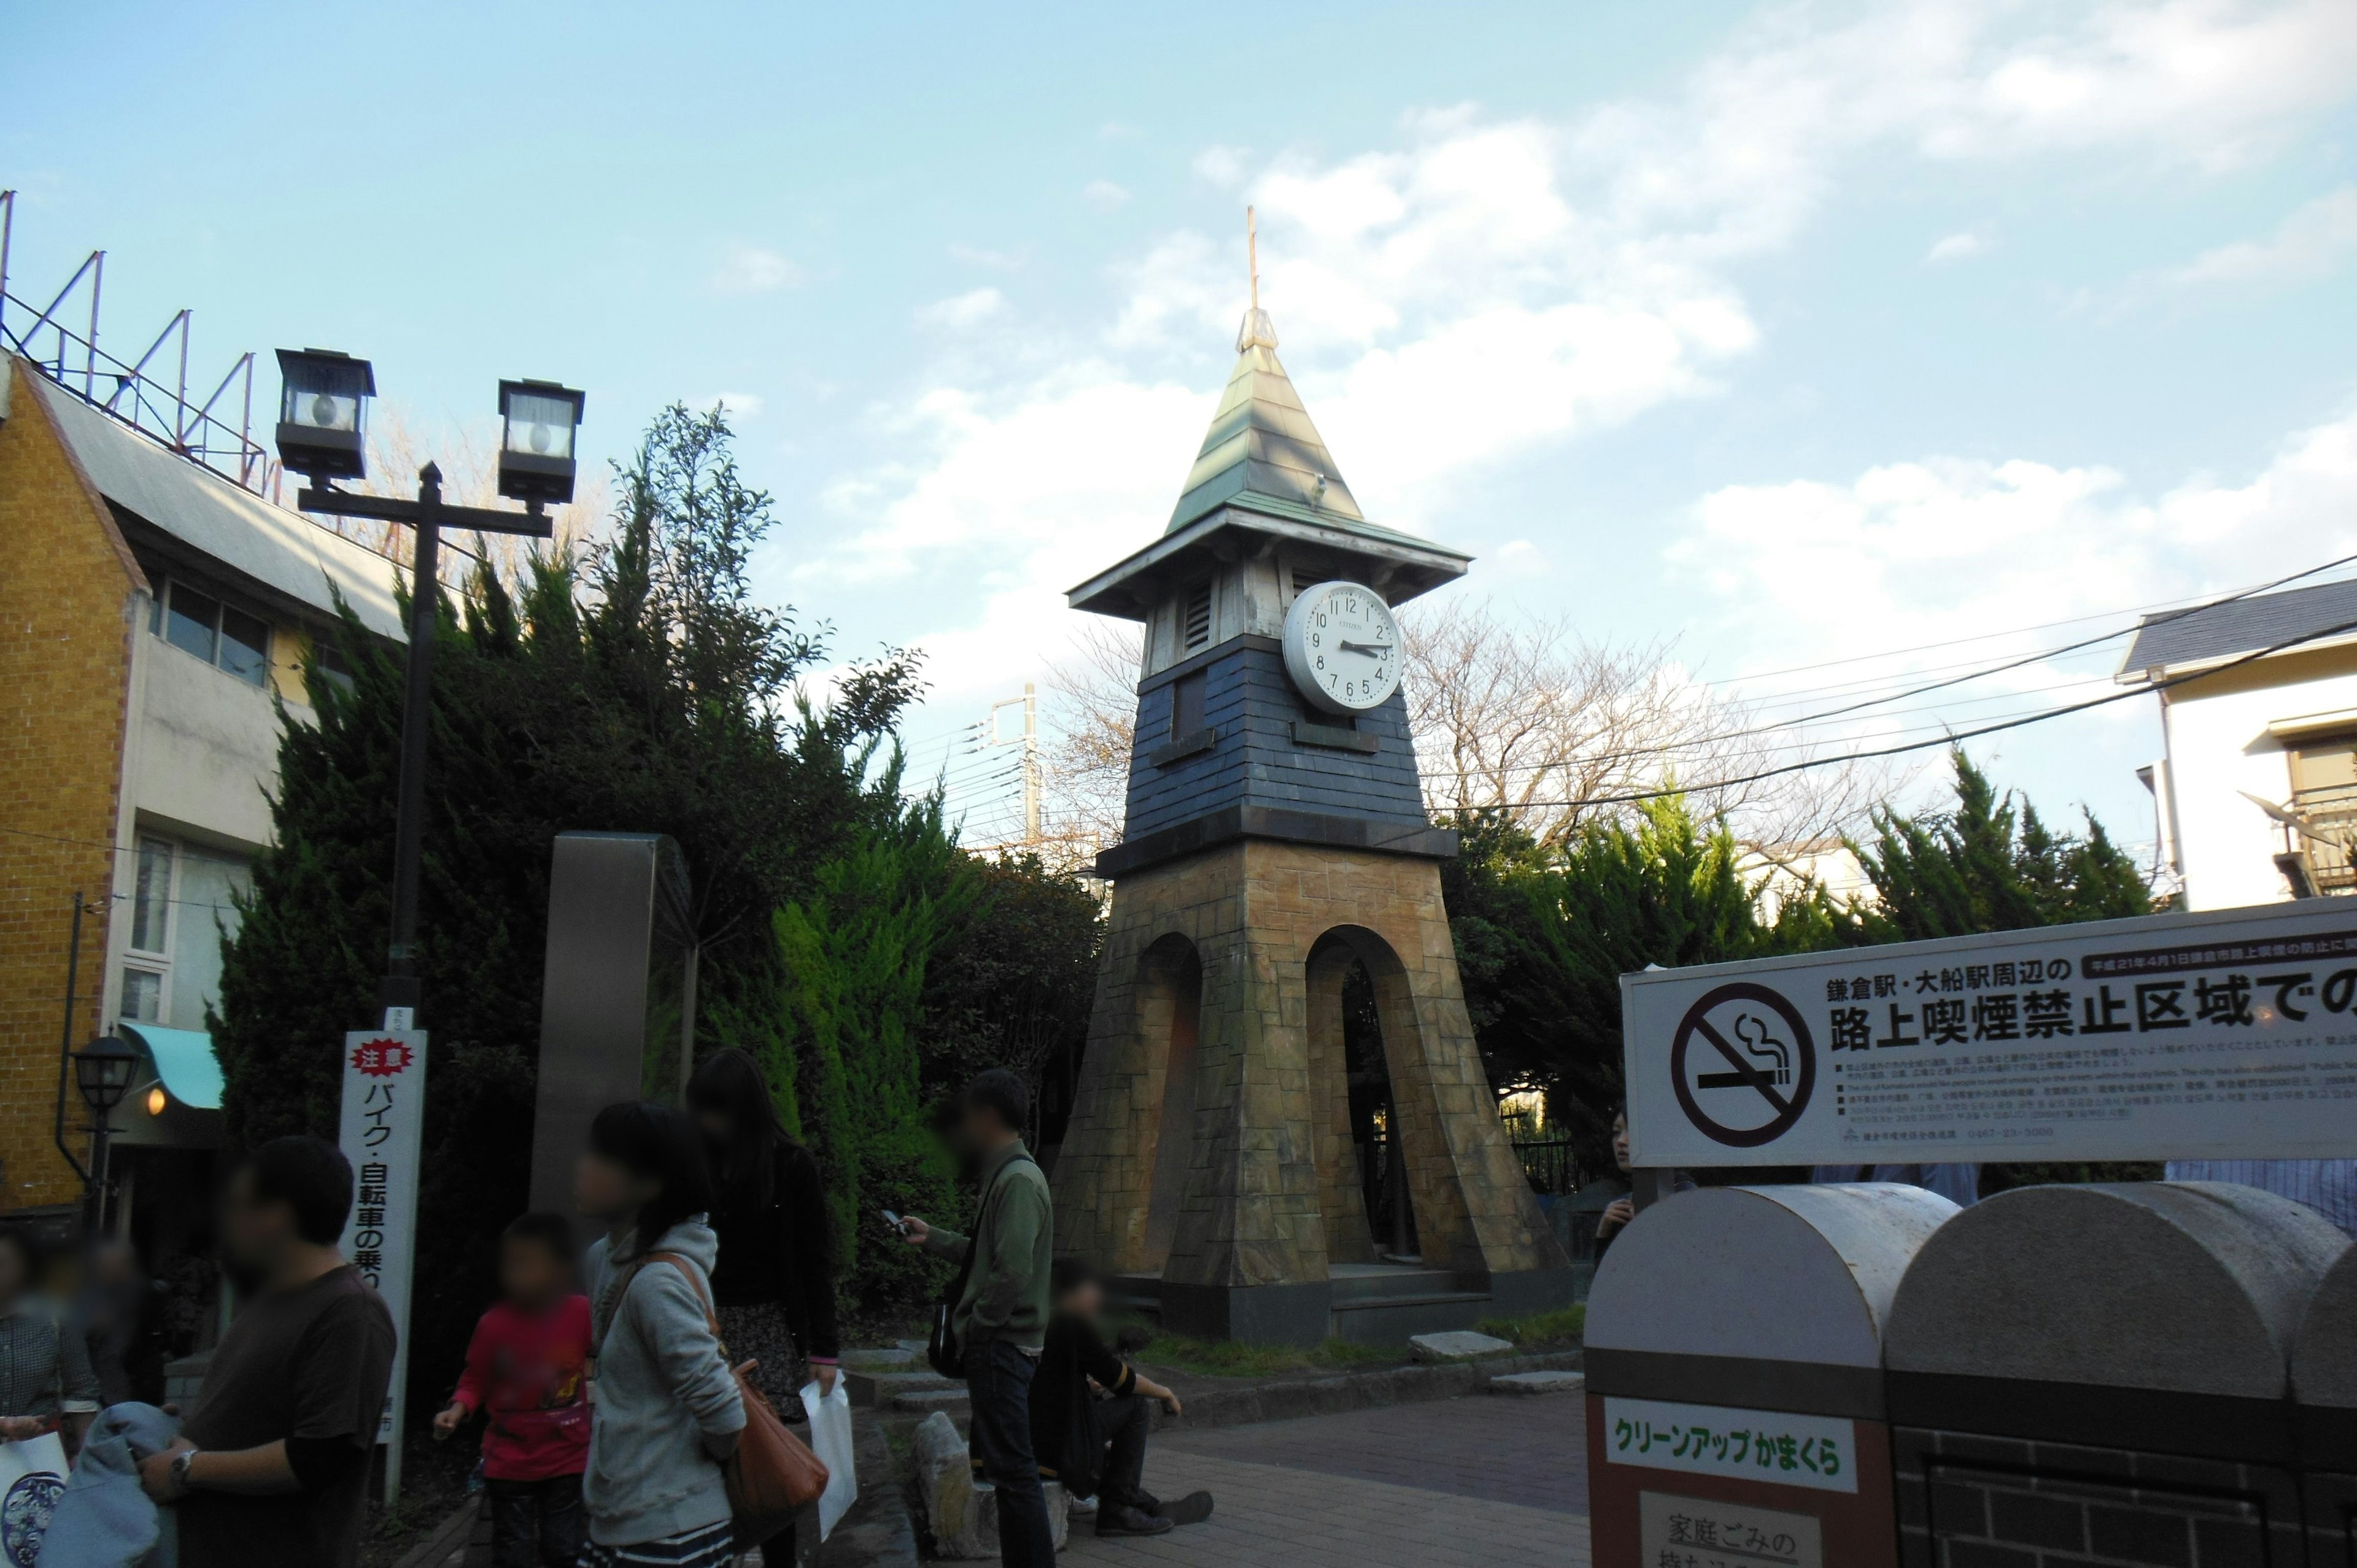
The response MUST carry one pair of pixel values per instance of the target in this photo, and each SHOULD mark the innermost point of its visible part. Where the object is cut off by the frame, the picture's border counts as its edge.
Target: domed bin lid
(1769, 1297)
(2148, 1316)
(2324, 1369)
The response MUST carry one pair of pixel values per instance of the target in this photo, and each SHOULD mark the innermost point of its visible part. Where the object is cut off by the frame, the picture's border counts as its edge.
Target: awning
(184, 1060)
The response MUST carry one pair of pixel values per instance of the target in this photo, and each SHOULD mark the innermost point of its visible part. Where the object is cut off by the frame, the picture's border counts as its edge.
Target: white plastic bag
(830, 1439)
(32, 1480)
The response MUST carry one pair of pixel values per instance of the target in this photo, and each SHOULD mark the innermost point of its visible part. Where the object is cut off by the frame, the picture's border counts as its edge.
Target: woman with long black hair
(775, 1282)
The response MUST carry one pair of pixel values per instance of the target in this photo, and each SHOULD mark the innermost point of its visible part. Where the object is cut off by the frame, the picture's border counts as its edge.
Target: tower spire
(1258, 330)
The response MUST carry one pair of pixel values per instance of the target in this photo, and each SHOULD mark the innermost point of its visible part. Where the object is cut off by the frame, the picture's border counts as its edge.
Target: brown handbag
(772, 1473)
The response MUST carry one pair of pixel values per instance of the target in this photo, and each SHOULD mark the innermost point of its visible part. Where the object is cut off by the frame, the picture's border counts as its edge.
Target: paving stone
(1461, 1345)
(1539, 1383)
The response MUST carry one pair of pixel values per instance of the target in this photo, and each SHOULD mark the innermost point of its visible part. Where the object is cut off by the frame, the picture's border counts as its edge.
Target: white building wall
(2219, 745)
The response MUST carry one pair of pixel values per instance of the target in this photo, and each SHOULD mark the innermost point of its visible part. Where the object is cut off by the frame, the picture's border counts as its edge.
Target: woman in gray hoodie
(666, 1412)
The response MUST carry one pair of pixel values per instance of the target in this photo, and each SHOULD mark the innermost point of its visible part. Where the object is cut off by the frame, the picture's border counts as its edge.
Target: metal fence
(2333, 812)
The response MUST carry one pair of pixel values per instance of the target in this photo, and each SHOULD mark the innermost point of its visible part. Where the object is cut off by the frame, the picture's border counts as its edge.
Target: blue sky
(1792, 334)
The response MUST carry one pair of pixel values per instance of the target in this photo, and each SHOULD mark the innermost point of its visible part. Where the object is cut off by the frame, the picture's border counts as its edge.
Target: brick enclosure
(68, 593)
(1269, 1185)
(1972, 1501)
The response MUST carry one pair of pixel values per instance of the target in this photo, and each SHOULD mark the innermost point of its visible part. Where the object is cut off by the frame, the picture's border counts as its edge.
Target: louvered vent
(1198, 618)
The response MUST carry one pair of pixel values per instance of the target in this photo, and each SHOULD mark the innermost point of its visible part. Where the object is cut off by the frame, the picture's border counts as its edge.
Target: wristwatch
(180, 1468)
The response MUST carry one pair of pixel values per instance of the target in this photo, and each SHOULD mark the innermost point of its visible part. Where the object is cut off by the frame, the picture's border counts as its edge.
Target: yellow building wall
(68, 587)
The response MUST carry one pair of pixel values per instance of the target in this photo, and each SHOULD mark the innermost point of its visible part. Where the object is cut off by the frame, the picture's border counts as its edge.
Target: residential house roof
(221, 519)
(2209, 634)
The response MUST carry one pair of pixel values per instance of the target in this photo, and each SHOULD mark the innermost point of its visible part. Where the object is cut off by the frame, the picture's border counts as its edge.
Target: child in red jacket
(526, 1367)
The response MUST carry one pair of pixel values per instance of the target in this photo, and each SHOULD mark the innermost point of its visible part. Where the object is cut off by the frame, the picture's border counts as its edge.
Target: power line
(1924, 689)
(1954, 738)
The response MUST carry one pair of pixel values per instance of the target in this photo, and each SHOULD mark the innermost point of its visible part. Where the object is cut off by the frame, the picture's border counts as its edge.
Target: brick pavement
(1480, 1480)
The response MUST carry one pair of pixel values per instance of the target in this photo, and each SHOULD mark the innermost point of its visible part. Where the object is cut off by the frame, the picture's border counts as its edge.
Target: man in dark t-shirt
(271, 1466)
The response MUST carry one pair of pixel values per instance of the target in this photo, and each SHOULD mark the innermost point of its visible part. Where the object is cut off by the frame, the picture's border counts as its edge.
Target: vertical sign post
(384, 1113)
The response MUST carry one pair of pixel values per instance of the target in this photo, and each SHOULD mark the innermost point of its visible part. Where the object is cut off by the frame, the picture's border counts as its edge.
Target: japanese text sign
(384, 1115)
(2227, 1035)
(1817, 1452)
(1700, 1532)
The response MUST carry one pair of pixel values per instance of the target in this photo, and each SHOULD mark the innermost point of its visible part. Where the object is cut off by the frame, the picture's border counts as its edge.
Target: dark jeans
(1121, 1423)
(999, 1386)
(549, 1511)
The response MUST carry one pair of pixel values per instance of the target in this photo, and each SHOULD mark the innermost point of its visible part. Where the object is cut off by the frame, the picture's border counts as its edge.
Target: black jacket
(1063, 1419)
(781, 1251)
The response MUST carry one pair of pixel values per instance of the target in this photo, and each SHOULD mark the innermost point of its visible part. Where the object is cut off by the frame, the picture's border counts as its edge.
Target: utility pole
(1031, 766)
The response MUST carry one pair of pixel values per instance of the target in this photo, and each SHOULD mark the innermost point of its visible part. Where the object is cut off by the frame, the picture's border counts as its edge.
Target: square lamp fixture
(321, 410)
(102, 1072)
(536, 441)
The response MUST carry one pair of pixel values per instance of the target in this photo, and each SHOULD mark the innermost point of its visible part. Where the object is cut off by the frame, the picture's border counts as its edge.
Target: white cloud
(1478, 287)
(751, 269)
(1912, 554)
(983, 256)
(740, 406)
(2314, 242)
(1103, 195)
(960, 312)
(1954, 248)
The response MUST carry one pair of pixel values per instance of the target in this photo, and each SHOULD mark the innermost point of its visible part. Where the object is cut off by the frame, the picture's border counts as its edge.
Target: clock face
(1342, 648)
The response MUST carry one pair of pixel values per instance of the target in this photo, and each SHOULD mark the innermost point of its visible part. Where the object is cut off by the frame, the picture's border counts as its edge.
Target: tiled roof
(2174, 640)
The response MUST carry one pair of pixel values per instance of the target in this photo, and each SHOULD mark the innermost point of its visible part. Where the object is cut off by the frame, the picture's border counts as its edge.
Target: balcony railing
(2333, 813)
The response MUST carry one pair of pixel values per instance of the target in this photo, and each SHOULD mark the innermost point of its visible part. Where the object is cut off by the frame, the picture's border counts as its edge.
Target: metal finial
(1257, 329)
(1252, 255)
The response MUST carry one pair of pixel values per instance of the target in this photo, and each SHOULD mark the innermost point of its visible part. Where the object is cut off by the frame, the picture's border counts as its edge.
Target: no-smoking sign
(1743, 1064)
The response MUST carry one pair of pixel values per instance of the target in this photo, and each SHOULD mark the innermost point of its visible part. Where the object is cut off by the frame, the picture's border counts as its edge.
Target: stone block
(890, 1358)
(1460, 1344)
(960, 1513)
(1539, 1383)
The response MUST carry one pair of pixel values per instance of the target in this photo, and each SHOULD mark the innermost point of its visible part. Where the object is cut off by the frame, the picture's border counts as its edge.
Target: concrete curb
(447, 1537)
(878, 1532)
(1345, 1392)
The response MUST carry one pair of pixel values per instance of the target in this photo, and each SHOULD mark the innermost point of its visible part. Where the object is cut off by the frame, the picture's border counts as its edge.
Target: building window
(1186, 705)
(151, 897)
(143, 996)
(220, 634)
(1196, 621)
(144, 977)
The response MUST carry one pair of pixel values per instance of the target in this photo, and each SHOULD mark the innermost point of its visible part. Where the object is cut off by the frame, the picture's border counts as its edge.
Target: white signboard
(1704, 1532)
(2229, 1035)
(384, 1115)
(1818, 1452)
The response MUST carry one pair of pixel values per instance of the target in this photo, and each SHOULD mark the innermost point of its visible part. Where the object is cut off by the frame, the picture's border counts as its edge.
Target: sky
(1782, 335)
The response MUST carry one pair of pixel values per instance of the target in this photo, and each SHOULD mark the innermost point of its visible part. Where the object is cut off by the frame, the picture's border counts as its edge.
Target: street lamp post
(321, 434)
(102, 1072)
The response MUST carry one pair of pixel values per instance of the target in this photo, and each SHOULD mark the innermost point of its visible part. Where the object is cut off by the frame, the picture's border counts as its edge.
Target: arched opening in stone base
(1363, 1188)
(1169, 1016)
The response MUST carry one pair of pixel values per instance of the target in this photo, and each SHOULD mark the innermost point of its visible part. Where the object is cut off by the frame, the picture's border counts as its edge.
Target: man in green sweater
(1001, 1317)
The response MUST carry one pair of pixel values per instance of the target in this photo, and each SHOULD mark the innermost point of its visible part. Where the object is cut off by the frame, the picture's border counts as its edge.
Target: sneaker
(1084, 1508)
(1193, 1508)
(1129, 1521)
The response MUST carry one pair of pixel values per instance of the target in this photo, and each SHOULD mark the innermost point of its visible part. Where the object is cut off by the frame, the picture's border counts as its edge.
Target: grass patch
(1540, 1330)
(1230, 1359)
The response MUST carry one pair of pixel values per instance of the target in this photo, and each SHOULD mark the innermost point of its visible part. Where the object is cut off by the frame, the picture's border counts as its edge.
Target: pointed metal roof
(1260, 445)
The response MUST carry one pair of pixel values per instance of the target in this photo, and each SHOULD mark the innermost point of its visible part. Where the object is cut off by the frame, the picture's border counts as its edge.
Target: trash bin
(2324, 1393)
(2100, 1374)
(1733, 1359)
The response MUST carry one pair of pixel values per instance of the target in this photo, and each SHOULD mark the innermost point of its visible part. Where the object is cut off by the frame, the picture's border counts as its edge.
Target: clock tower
(1282, 1129)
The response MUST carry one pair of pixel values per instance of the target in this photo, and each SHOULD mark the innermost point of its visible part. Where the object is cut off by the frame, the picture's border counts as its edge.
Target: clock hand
(1348, 647)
